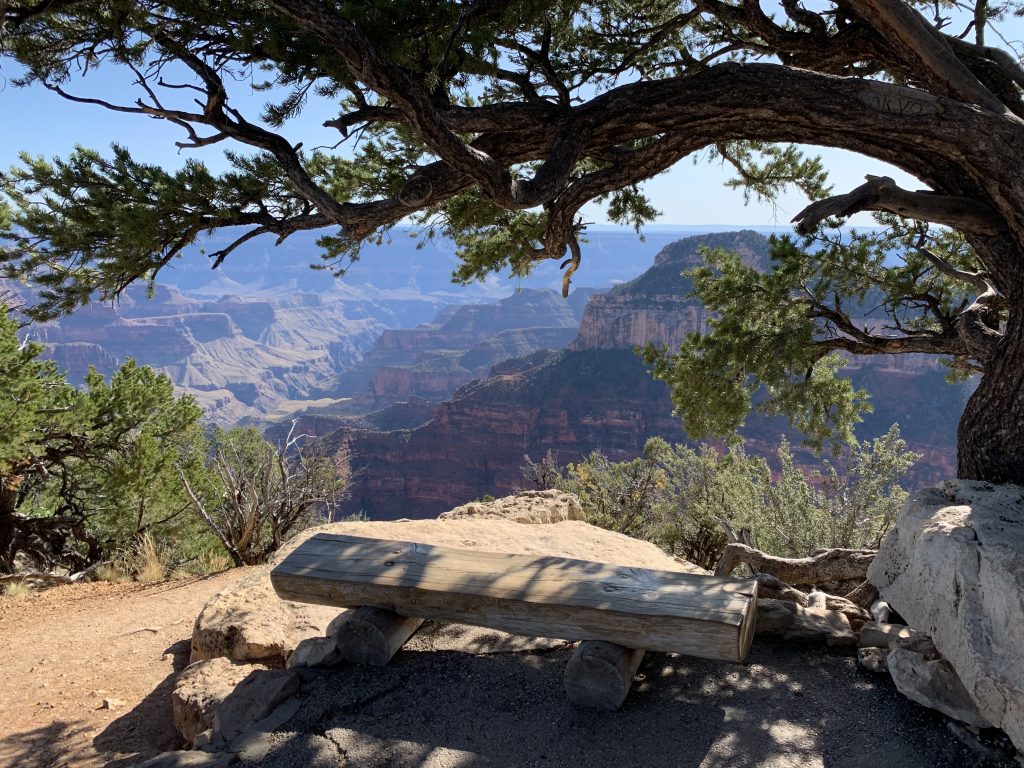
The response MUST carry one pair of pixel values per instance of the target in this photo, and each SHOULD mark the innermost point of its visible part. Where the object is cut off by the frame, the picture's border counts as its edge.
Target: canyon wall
(597, 394)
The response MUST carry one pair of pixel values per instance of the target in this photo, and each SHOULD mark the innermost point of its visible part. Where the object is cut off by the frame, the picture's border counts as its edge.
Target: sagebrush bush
(692, 502)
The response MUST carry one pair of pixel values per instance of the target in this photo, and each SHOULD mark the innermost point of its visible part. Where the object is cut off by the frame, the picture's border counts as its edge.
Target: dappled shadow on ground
(482, 704)
(147, 728)
(44, 747)
(786, 708)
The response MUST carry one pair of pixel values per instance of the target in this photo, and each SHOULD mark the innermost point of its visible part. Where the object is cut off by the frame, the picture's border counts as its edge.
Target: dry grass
(18, 588)
(149, 562)
(214, 561)
(110, 572)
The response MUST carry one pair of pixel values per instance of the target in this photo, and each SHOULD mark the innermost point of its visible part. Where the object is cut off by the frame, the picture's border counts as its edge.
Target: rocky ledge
(237, 703)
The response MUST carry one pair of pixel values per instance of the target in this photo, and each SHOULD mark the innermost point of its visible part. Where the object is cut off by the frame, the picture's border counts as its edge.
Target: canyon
(597, 394)
(264, 335)
(437, 393)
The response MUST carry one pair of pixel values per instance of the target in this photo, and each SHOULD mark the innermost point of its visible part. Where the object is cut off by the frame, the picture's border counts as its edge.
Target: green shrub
(693, 501)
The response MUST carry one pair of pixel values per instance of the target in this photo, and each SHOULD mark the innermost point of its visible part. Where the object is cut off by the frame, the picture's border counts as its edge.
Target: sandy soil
(65, 651)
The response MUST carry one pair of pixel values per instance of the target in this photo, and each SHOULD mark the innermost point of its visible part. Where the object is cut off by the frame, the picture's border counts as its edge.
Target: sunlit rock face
(953, 566)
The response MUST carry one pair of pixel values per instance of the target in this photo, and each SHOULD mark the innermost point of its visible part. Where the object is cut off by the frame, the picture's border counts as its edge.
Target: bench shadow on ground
(784, 707)
(148, 728)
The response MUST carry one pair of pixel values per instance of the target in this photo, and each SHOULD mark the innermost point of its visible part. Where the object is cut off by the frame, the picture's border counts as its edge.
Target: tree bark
(990, 437)
(770, 587)
(828, 566)
(8, 523)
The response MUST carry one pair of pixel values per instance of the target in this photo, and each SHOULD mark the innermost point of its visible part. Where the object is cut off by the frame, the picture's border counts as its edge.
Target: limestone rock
(435, 637)
(254, 744)
(877, 635)
(918, 643)
(189, 759)
(933, 684)
(880, 611)
(791, 621)
(774, 617)
(953, 567)
(202, 739)
(253, 699)
(568, 538)
(314, 652)
(248, 621)
(873, 659)
(814, 623)
(200, 688)
(530, 507)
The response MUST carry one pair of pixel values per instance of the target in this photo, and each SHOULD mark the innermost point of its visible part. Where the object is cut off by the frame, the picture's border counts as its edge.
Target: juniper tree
(494, 123)
(256, 496)
(85, 471)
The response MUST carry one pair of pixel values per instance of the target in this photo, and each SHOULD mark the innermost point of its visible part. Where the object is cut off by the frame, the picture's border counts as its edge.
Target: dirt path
(449, 699)
(66, 651)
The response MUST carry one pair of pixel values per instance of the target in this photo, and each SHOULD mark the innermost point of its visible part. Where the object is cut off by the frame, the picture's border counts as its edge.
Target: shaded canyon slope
(597, 394)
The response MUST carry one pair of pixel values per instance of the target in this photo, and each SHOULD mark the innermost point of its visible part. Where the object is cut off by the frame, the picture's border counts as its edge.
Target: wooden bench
(618, 612)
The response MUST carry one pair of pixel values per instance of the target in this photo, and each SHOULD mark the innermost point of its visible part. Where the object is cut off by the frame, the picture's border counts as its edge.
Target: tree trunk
(990, 437)
(8, 526)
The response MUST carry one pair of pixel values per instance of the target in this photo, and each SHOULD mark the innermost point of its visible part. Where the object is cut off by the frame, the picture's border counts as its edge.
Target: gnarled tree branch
(923, 45)
(880, 193)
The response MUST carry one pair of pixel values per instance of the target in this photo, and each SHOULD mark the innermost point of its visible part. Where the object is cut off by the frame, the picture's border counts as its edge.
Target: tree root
(769, 586)
(830, 565)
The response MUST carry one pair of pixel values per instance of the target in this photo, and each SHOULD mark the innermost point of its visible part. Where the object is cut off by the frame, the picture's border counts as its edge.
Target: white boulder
(953, 567)
(249, 622)
(932, 683)
(200, 688)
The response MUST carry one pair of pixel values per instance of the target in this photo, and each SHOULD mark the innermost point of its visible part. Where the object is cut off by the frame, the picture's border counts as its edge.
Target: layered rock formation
(237, 356)
(597, 394)
(654, 307)
(460, 345)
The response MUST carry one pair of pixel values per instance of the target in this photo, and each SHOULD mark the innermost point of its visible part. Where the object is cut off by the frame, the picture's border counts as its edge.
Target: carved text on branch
(899, 105)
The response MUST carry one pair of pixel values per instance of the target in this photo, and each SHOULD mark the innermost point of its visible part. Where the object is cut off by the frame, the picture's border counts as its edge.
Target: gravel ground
(785, 708)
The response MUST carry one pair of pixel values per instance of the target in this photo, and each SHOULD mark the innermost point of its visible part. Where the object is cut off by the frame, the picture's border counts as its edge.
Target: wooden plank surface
(542, 597)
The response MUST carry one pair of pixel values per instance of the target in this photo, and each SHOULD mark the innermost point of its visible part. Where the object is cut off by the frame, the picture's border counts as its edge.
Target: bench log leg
(373, 635)
(599, 674)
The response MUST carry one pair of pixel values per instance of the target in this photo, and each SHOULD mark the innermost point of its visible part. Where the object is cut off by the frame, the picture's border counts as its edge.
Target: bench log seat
(637, 608)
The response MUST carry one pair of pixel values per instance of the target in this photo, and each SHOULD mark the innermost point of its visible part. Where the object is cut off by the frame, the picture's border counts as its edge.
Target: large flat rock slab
(528, 507)
(567, 538)
(953, 566)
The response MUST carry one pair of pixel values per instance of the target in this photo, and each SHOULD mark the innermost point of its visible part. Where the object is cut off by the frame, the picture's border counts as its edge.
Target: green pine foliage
(86, 472)
(777, 340)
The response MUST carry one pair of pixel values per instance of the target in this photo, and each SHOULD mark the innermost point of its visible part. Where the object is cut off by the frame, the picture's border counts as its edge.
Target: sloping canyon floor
(67, 651)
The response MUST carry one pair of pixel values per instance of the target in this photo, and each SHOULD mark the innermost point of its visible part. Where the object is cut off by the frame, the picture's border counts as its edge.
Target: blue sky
(688, 194)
